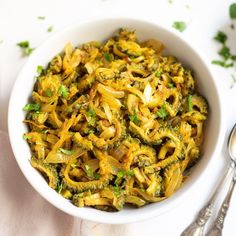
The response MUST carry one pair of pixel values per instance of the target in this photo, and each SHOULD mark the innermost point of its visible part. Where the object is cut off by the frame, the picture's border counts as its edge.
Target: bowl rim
(106, 218)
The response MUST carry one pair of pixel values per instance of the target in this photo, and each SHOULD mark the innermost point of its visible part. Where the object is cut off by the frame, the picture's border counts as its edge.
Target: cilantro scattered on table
(232, 11)
(25, 47)
(41, 17)
(179, 25)
(50, 28)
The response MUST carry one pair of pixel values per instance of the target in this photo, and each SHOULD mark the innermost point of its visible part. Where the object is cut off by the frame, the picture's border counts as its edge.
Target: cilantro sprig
(162, 112)
(25, 47)
(63, 91)
(179, 25)
(32, 107)
(134, 118)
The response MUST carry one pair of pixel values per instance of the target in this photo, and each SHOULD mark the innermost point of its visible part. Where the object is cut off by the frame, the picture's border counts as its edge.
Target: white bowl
(101, 30)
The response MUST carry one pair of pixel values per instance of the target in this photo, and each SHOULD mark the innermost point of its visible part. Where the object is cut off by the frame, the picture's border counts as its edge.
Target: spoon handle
(197, 227)
(218, 224)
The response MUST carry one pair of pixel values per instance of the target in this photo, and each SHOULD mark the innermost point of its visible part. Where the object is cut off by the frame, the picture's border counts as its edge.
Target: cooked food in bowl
(115, 123)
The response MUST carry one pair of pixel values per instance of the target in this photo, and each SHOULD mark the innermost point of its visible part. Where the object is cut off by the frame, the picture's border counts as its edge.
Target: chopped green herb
(222, 63)
(59, 187)
(225, 52)
(179, 25)
(88, 171)
(91, 114)
(66, 151)
(39, 69)
(120, 174)
(158, 73)
(63, 91)
(221, 37)
(162, 112)
(170, 85)
(25, 46)
(80, 194)
(190, 102)
(134, 118)
(117, 190)
(107, 56)
(41, 17)
(96, 175)
(232, 11)
(48, 92)
(32, 107)
(50, 28)
(26, 137)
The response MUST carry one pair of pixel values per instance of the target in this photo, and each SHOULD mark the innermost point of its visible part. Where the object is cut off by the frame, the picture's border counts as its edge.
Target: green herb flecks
(26, 137)
(59, 187)
(48, 92)
(50, 29)
(39, 70)
(32, 107)
(25, 47)
(221, 37)
(88, 171)
(107, 56)
(227, 58)
(63, 91)
(91, 114)
(66, 151)
(41, 17)
(134, 118)
(162, 112)
(158, 73)
(179, 25)
(232, 11)
(190, 102)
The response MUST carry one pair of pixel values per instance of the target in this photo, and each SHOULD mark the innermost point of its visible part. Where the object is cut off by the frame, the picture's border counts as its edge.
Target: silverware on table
(197, 227)
(217, 227)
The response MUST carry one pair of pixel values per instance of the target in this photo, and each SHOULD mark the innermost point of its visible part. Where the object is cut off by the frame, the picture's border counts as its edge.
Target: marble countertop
(19, 21)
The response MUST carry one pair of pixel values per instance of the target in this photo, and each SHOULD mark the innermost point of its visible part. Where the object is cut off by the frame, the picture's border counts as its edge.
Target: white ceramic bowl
(101, 30)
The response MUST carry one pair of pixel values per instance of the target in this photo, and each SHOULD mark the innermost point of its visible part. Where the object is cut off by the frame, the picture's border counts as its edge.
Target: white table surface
(18, 21)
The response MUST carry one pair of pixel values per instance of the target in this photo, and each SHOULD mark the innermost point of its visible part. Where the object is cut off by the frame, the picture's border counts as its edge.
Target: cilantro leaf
(222, 63)
(48, 92)
(134, 118)
(39, 69)
(162, 112)
(158, 73)
(107, 56)
(225, 52)
(26, 137)
(96, 175)
(221, 37)
(59, 187)
(117, 190)
(91, 114)
(63, 91)
(25, 46)
(88, 171)
(32, 107)
(190, 102)
(179, 25)
(41, 17)
(232, 11)
(66, 151)
(50, 28)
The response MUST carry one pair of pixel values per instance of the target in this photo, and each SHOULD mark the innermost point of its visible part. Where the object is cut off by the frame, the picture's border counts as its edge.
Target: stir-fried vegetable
(115, 123)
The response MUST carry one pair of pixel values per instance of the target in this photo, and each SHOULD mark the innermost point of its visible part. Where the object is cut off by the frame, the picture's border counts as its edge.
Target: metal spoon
(197, 227)
(217, 227)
